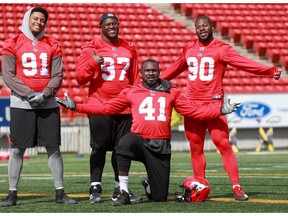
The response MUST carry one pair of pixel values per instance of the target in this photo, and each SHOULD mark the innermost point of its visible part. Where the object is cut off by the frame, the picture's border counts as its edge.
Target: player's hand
(36, 99)
(228, 108)
(67, 103)
(277, 74)
(98, 59)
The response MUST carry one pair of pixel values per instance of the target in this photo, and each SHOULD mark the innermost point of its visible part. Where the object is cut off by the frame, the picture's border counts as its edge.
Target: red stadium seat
(261, 27)
(284, 61)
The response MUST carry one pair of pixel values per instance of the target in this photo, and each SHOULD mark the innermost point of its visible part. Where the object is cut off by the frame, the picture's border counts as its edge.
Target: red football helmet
(196, 189)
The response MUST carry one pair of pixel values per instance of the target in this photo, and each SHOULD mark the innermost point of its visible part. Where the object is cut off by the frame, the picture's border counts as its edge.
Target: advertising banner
(4, 111)
(259, 110)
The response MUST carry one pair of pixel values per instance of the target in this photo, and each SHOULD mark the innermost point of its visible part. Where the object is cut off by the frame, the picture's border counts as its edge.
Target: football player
(32, 68)
(151, 104)
(206, 59)
(108, 64)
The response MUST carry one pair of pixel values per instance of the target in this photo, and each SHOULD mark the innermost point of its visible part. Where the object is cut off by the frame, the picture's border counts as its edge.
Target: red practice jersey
(151, 110)
(107, 81)
(33, 59)
(206, 64)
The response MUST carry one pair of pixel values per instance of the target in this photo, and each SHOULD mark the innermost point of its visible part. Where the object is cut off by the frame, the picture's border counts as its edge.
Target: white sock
(95, 183)
(117, 184)
(123, 182)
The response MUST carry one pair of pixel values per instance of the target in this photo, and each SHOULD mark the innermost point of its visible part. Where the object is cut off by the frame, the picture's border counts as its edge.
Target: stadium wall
(76, 139)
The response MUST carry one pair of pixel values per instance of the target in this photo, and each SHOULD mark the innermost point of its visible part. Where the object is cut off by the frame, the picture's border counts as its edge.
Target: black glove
(68, 103)
(36, 99)
(228, 108)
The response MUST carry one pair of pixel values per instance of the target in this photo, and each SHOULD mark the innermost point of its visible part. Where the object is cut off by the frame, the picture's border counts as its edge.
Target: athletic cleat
(239, 194)
(116, 193)
(95, 194)
(62, 198)
(145, 183)
(133, 197)
(11, 199)
(122, 199)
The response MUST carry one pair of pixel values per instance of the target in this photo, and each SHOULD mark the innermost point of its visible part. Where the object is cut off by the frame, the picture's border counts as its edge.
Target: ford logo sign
(252, 110)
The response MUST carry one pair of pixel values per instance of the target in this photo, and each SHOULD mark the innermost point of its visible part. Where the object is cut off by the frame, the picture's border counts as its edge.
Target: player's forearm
(10, 78)
(85, 70)
(249, 65)
(111, 107)
(174, 69)
(56, 77)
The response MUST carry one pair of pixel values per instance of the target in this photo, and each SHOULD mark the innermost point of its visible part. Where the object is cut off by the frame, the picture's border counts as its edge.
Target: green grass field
(264, 177)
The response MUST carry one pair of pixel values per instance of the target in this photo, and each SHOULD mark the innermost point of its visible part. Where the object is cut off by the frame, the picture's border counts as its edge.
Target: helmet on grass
(195, 189)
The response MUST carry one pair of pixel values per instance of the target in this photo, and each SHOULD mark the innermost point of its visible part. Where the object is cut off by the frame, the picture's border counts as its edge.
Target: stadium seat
(284, 61)
(74, 24)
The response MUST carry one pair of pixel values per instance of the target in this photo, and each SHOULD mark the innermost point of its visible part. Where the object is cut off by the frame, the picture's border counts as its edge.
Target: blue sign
(253, 110)
(4, 111)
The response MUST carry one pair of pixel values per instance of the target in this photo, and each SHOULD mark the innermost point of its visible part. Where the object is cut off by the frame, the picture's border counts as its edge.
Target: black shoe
(145, 183)
(62, 198)
(95, 194)
(10, 199)
(133, 197)
(122, 199)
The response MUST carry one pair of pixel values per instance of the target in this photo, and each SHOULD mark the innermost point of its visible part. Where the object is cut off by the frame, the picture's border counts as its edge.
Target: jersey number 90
(197, 68)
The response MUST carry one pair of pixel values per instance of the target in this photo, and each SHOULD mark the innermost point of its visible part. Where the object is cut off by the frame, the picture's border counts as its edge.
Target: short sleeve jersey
(33, 59)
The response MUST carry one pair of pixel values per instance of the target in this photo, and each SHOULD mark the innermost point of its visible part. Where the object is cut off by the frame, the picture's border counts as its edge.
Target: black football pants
(132, 147)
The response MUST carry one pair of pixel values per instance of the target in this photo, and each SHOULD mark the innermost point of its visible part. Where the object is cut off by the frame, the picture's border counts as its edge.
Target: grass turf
(263, 176)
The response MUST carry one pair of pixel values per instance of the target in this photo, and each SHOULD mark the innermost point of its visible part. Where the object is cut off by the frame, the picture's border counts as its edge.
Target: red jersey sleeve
(110, 107)
(56, 49)
(8, 47)
(177, 67)
(233, 58)
(86, 67)
(134, 77)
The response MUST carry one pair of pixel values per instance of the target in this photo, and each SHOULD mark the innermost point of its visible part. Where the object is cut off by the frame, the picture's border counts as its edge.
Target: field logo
(252, 110)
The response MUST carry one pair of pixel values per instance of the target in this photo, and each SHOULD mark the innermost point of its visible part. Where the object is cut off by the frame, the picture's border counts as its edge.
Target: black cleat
(145, 183)
(122, 199)
(62, 198)
(133, 197)
(11, 199)
(95, 194)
